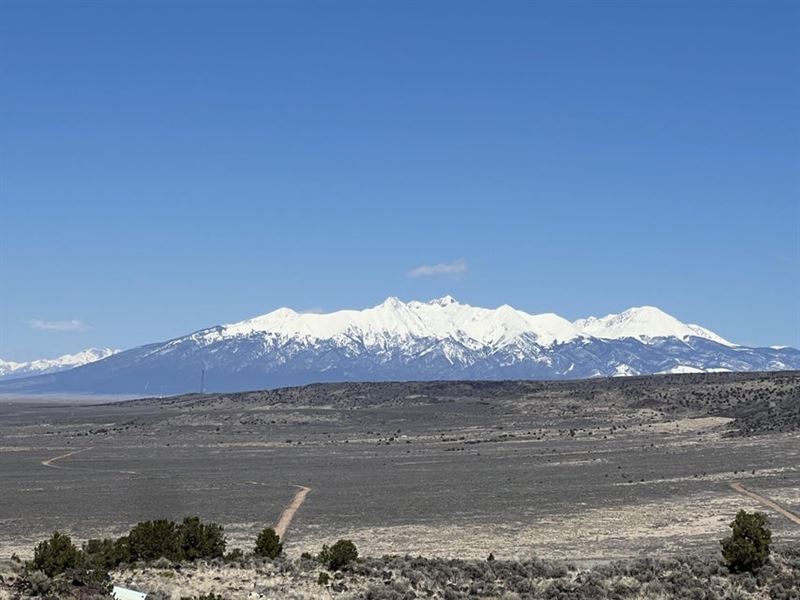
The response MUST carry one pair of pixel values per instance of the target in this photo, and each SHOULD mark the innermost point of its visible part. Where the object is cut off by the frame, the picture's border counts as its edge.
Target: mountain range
(14, 370)
(395, 340)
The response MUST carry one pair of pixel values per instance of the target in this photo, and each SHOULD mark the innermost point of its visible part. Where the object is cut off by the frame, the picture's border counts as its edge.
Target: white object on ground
(121, 593)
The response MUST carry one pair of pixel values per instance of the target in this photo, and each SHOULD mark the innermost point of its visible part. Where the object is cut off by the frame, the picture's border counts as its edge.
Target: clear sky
(167, 166)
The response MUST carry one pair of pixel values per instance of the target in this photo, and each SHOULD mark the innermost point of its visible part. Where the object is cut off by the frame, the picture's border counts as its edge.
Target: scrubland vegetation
(170, 560)
(495, 473)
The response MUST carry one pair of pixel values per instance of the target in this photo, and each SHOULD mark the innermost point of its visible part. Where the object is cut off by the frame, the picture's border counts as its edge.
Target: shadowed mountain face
(438, 340)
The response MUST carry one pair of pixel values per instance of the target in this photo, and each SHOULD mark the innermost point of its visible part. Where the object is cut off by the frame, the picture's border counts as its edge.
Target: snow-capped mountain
(643, 323)
(394, 321)
(440, 339)
(11, 370)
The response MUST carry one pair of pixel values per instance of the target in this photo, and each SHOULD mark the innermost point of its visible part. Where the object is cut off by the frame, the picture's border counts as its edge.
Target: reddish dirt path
(49, 462)
(280, 528)
(288, 513)
(789, 514)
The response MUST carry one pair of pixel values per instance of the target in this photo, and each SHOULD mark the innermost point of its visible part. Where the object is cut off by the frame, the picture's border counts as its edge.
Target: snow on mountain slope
(643, 322)
(10, 369)
(446, 318)
(395, 340)
(394, 320)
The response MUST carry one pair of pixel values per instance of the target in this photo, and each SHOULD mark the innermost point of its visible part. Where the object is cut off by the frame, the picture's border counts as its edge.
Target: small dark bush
(234, 555)
(37, 583)
(106, 554)
(56, 555)
(200, 540)
(88, 579)
(747, 548)
(338, 556)
(268, 544)
(323, 578)
(154, 539)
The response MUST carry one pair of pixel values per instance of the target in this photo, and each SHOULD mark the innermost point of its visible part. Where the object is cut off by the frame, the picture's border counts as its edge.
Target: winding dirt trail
(50, 461)
(280, 528)
(789, 514)
(288, 513)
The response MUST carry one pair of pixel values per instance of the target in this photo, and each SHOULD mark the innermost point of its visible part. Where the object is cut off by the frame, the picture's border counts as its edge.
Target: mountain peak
(645, 310)
(446, 319)
(443, 301)
(643, 322)
(391, 302)
(437, 339)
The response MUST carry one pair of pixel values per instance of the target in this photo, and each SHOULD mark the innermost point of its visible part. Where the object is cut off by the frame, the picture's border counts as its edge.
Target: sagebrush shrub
(235, 555)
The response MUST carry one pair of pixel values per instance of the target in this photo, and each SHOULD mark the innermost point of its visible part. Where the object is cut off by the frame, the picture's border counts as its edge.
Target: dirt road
(50, 461)
(288, 513)
(789, 514)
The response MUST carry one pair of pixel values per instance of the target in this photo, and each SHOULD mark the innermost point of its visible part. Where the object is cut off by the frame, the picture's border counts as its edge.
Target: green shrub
(106, 554)
(200, 540)
(268, 544)
(56, 555)
(323, 578)
(190, 540)
(338, 556)
(747, 548)
(234, 555)
(154, 539)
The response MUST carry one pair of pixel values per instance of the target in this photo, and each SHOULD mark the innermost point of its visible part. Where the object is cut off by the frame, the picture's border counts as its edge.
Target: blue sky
(167, 166)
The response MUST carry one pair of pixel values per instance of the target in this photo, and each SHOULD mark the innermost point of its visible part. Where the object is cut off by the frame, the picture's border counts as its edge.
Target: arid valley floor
(586, 471)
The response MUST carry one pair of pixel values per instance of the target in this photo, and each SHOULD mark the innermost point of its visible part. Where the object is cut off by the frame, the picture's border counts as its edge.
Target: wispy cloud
(69, 325)
(456, 267)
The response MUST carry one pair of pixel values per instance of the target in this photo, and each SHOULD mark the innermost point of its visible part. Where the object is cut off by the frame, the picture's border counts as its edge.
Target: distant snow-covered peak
(74, 360)
(51, 365)
(643, 322)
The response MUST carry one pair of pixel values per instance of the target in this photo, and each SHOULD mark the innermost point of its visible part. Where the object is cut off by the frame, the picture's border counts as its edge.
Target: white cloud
(69, 325)
(456, 267)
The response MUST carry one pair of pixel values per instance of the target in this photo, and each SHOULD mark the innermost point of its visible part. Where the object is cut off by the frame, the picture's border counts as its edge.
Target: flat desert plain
(586, 471)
